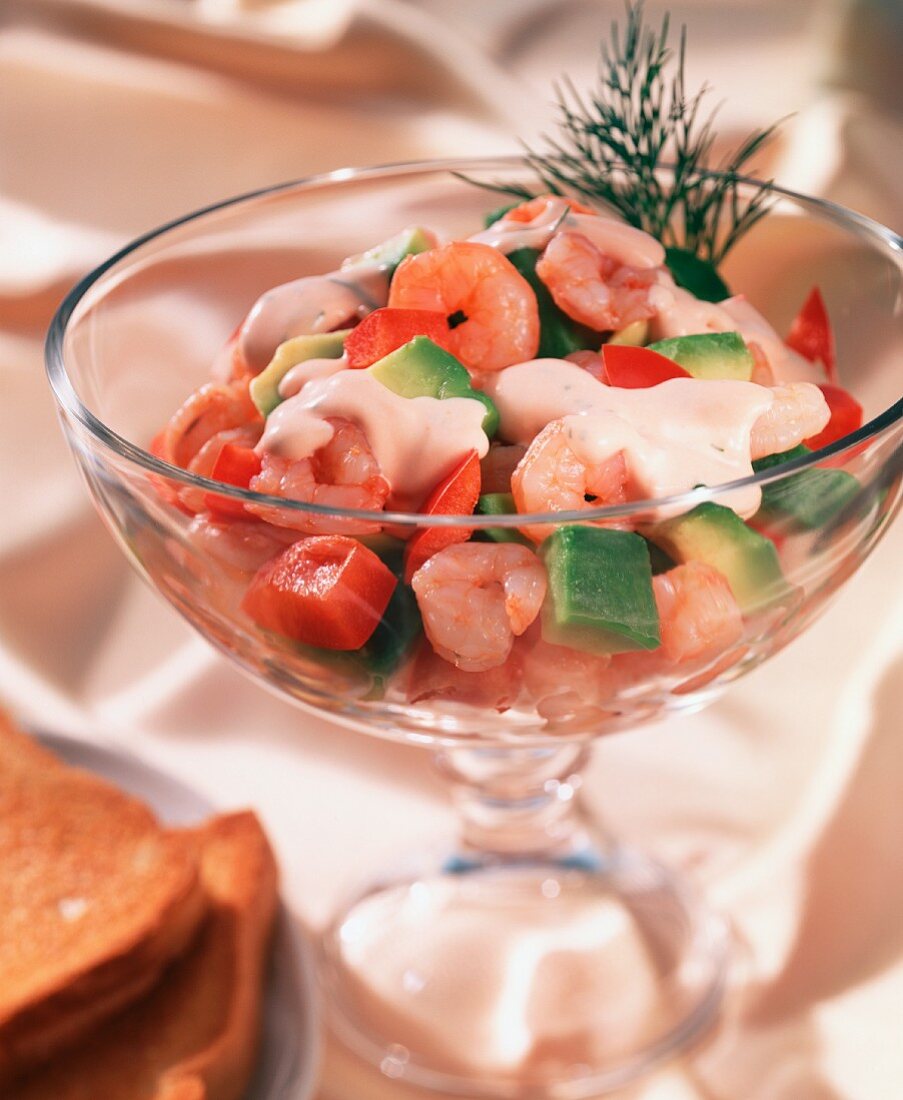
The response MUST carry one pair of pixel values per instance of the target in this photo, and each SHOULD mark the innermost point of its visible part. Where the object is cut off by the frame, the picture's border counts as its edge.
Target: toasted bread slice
(96, 899)
(194, 1037)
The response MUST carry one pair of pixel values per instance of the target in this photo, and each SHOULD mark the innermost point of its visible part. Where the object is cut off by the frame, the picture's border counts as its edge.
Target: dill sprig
(613, 141)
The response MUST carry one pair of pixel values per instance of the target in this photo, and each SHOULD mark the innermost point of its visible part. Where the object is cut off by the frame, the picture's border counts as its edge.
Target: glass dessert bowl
(569, 963)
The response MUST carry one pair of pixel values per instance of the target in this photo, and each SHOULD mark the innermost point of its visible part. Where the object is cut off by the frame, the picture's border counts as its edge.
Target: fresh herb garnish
(640, 119)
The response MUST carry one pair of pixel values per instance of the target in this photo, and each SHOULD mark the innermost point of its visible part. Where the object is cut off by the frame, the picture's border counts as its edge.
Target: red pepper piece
(328, 591)
(631, 368)
(235, 465)
(811, 334)
(457, 495)
(846, 416)
(386, 329)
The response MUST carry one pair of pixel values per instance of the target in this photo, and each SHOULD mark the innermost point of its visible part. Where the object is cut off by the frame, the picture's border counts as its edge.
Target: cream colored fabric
(784, 797)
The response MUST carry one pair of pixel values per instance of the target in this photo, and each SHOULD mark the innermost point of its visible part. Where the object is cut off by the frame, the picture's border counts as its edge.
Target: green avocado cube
(810, 498)
(500, 504)
(717, 536)
(420, 368)
(600, 594)
(558, 334)
(710, 355)
(389, 254)
(264, 388)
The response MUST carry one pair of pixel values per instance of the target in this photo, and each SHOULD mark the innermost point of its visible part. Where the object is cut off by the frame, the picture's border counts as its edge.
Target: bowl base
(554, 977)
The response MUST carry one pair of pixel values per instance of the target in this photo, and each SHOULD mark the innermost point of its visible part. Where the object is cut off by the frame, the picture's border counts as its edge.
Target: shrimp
(563, 682)
(557, 474)
(797, 412)
(341, 474)
(431, 677)
(240, 547)
(491, 307)
(475, 597)
(212, 409)
(535, 210)
(698, 613)
(593, 288)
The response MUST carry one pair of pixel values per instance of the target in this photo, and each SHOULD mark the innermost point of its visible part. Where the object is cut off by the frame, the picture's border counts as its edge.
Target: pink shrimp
(490, 305)
(698, 613)
(535, 210)
(476, 597)
(557, 474)
(212, 409)
(241, 547)
(342, 474)
(565, 683)
(593, 288)
(429, 677)
(797, 412)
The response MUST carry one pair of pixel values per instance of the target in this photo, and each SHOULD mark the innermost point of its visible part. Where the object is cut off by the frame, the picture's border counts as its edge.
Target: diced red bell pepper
(631, 368)
(235, 465)
(846, 416)
(386, 329)
(328, 591)
(457, 495)
(811, 334)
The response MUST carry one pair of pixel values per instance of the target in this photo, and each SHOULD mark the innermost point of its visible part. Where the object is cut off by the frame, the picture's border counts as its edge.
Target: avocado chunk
(810, 498)
(710, 355)
(717, 536)
(558, 334)
(600, 594)
(420, 368)
(500, 504)
(389, 254)
(264, 388)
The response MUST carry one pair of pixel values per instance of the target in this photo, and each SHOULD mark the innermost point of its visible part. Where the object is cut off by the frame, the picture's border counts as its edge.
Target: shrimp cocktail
(544, 369)
(497, 484)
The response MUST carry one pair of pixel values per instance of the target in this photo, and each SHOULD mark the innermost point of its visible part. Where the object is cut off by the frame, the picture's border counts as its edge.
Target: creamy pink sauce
(297, 377)
(615, 238)
(684, 315)
(316, 303)
(417, 441)
(675, 436)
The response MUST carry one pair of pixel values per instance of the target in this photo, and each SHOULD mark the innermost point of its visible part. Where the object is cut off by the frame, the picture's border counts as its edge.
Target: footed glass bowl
(536, 957)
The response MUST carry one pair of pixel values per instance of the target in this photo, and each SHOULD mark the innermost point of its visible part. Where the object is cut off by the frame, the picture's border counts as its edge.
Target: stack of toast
(132, 956)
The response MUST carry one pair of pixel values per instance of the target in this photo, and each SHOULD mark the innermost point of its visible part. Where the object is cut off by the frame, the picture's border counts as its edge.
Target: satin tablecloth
(784, 797)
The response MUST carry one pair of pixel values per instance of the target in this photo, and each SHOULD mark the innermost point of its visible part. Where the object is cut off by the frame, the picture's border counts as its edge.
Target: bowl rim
(70, 404)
